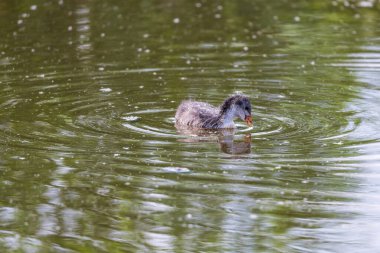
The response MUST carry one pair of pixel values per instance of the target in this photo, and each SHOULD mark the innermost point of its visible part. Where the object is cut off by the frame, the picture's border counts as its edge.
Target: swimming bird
(203, 115)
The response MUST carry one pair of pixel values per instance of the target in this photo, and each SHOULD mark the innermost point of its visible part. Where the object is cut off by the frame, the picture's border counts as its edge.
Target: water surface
(90, 160)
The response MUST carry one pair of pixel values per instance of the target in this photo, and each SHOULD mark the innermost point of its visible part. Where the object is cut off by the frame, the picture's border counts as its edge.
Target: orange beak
(248, 120)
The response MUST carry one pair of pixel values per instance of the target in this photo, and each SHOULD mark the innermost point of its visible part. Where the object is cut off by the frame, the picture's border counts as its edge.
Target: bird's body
(203, 115)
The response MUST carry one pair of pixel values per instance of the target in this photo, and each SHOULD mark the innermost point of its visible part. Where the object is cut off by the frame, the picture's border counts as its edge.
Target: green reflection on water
(90, 158)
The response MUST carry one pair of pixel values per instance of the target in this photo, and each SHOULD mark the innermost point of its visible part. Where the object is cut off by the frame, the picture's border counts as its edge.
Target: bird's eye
(246, 108)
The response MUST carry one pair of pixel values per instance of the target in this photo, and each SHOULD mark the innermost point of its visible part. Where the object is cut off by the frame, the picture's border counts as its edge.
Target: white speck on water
(176, 169)
(220, 7)
(188, 62)
(245, 48)
(297, 19)
(146, 35)
(102, 35)
(365, 4)
(33, 7)
(198, 5)
(236, 65)
(305, 181)
(130, 119)
(25, 15)
(101, 68)
(218, 15)
(41, 75)
(20, 21)
(183, 78)
(60, 2)
(40, 92)
(189, 216)
(253, 216)
(176, 21)
(20, 157)
(69, 28)
(147, 50)
(141, 86)
(116, 155)
(139, 49)
(105, 89)
(312, 63)
(126, 148)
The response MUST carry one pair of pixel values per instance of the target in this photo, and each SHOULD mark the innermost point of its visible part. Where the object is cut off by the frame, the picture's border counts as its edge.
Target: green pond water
(90, 159)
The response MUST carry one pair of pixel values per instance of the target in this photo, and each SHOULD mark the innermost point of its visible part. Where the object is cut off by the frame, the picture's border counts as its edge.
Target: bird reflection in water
(229, 142)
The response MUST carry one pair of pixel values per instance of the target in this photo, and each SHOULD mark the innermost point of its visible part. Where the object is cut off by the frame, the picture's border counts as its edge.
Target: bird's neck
(227, 118)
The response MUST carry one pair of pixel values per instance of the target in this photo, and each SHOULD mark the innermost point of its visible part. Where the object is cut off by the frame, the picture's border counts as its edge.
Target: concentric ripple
(101, 112)
(146, 120)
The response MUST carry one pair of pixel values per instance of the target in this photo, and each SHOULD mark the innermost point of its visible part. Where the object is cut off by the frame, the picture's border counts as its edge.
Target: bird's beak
(248, 120)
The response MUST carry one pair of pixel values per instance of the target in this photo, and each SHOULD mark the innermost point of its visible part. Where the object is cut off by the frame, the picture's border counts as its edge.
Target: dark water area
(90, 159)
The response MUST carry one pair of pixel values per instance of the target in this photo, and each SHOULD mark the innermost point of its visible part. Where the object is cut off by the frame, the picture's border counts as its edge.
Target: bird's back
(196, 114)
